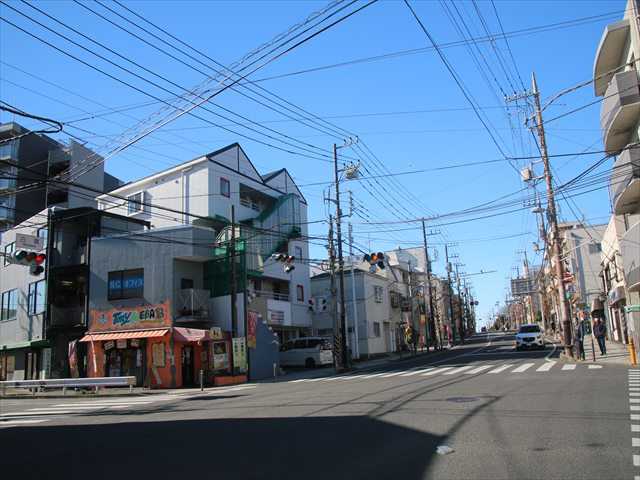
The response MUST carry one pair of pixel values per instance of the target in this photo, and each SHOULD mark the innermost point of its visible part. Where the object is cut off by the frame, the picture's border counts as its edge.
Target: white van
(306, 352)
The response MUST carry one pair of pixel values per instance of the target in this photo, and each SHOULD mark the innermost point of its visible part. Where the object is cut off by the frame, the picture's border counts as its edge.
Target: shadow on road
(321, 447)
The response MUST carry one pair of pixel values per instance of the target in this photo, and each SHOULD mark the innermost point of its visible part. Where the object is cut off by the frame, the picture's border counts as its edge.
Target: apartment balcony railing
(625, 182)
(247, 202)
(192, 303)
(284, 297)
(620, 110)
(612, 42)
(629, 248)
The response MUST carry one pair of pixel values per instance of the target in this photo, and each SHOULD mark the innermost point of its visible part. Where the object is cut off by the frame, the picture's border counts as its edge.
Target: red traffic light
(40, 258)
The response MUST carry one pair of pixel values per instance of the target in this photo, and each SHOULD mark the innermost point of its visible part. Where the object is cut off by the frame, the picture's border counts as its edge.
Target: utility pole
(565, 312)
(459, 319)
(343, 323)
(337, 343)
(354, 302)
(450, 293)
(233, 286)
(432, 319)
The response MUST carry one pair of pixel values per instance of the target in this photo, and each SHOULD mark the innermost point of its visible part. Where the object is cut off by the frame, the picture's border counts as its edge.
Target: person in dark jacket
(600, 331)
(578, 340)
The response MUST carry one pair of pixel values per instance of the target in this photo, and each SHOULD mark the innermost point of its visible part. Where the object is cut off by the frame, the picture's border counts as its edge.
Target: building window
(126, 284)
(36, 300)
(225, 187)
(134, 204)
(376, 329)
(43, 233)
(300, 293)
(595, 248)
(297, 252)
(8, 250)
(377, 293)
(9, 305)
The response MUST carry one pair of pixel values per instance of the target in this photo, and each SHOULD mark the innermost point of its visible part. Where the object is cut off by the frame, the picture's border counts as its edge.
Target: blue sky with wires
(375, 75)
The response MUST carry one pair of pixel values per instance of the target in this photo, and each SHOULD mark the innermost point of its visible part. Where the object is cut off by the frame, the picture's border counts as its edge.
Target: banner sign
(146, 316)
(240, 354)
(220, 355)
(252, 326)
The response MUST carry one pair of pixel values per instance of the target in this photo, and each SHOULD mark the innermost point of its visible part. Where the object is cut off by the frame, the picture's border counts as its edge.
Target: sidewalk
(617, 353)
(14, 393)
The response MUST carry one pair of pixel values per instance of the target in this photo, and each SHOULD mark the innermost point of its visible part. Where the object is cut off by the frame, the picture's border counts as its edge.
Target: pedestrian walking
(600, 331)
(578, 337)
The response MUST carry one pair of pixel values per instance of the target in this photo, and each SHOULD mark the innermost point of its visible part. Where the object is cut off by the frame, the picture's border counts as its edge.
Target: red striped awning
(101, 337)
(183, 334)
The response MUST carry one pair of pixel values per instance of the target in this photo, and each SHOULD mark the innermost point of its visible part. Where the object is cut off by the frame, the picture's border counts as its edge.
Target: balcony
(625, 182)
(620, 110)
(629, 248)
(283, 297)
(612, 42)
(192, 305)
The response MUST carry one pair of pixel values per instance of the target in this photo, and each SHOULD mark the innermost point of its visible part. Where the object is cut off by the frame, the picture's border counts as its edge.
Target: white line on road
(416, 372)
(98, 404)
(635, 427)
(546, 367)
(32, 414)
(118, 407)
(458, 370)
(634, 400)
(569, 366)
(502, 368)
(373, 375)
(634, 408)
(635, 442)
(436, 371)
(68, 407)
(593, 367)
(479, 369)
(393, 374)
(8, 423)
(635, 417)
(522, 368)
(636, 460)
(634, 394)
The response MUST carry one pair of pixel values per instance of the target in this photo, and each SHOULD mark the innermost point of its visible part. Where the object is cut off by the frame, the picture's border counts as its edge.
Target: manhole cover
(462, 399)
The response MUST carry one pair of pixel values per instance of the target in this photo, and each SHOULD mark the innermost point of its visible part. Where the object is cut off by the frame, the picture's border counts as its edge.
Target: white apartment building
(616, 77)
(270, 214)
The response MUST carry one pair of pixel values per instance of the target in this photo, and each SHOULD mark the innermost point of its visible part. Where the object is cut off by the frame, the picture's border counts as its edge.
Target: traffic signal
(375, 261)
(286, 259)
(33, 260)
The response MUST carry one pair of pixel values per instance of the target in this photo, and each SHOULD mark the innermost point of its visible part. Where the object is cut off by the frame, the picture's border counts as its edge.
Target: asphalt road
(505, 415)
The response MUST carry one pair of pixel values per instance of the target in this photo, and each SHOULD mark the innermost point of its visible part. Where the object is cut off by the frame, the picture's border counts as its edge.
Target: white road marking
(636, 460)
(99, 404)
(546, 367)
(635, 417)
(569, 366)
(458, 370)
(593, 367)
(74, 407)
(502, 368)
(299, 380)
(635, 427)
(479, 369)
(416, 372)
(522, 368)
(32, 414)
(634, 400)
(393, 374)
(373, 376)
(117, 407)
(8, 423)
(332, 379)
(634, 394)
(436, 371)
(634, 408)
(635, 442)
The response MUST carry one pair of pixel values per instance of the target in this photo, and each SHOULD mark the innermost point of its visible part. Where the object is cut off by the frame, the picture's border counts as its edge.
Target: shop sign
(109, 345)
(252, 327)
(240, 353)
(146, 316)
(135, 342)
(121, 343)
(157, 352)
(216, 333)
(220, 356)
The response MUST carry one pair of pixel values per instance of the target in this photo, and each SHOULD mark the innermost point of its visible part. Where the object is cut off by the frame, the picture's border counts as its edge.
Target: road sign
(29, 242)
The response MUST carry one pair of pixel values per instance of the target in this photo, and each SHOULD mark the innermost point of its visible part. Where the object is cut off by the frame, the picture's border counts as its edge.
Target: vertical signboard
(240, 353)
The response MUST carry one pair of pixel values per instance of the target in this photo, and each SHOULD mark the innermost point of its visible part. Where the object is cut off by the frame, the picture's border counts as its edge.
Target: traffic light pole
(459, 322)
(450, 291)
(427, 269)
(337, 358)
(343, 325)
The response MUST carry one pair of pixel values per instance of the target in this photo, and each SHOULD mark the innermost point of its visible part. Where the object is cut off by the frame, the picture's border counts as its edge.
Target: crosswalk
(446, 371)
(102, 406)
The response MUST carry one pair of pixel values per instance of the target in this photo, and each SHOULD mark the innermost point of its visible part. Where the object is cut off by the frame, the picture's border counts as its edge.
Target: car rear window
(529, 329)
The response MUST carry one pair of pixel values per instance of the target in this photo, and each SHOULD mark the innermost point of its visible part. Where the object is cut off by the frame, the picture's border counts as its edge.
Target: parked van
(307, 352)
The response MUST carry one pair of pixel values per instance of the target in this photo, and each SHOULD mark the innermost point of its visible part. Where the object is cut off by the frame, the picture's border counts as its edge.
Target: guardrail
(64, 383)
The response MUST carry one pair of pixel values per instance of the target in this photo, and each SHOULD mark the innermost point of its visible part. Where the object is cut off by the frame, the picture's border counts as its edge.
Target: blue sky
(441, 131)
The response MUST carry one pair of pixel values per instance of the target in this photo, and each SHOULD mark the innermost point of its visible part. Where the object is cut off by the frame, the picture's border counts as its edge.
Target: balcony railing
(247, 202)
(620, 110)
(284, 297)
(193, 303)
(625, 182)
(629, 247)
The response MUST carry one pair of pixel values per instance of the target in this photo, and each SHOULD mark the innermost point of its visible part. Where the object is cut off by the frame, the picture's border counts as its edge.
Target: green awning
(28, 344)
